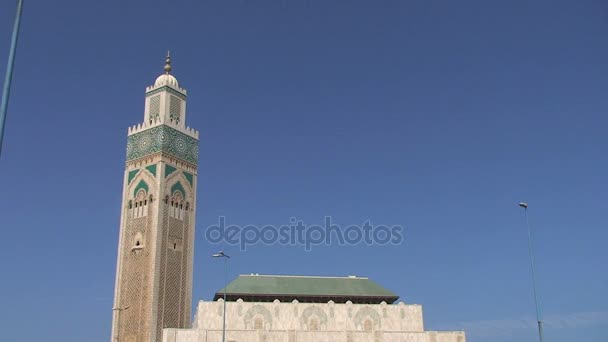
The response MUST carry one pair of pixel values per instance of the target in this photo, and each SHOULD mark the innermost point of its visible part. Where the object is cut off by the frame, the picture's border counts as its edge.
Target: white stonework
(309, 322)
(153, 287)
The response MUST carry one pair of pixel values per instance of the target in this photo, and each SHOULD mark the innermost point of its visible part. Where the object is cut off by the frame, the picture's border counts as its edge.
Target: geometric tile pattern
(163, 138)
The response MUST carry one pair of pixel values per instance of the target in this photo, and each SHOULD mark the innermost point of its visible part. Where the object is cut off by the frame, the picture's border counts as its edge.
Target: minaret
(155, 248)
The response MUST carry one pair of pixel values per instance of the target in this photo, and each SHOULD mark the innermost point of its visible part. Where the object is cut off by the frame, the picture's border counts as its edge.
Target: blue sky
(435, 115)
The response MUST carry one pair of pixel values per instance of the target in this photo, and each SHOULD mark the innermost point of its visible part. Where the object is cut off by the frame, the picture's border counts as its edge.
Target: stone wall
(309, 322)
(191, 335)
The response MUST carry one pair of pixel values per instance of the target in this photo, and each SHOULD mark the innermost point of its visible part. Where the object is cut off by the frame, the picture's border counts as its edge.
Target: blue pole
(9, 71)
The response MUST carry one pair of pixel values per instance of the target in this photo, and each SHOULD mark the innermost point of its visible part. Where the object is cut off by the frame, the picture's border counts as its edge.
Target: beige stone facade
(309, 322)
(156, 241)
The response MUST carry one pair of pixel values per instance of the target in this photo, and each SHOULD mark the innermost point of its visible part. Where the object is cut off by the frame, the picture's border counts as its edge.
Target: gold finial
(167, 67)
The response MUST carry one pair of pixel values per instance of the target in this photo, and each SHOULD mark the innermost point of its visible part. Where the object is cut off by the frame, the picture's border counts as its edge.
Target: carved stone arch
(141, 193)
(367, 313)
(135, 184)
(177, 198)
(256, 312)
(313, 313)
(178, 176)
(177, 189)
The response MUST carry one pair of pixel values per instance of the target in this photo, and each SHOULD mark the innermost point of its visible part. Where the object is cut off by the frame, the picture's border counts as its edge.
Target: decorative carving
(141, 186)
(154, 107)
(367, 313)
(175, 109)
(311, 315)
(257, 312)
(167, 89)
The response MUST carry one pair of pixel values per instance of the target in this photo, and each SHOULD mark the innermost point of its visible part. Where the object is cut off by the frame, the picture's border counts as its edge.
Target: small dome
(166, 79)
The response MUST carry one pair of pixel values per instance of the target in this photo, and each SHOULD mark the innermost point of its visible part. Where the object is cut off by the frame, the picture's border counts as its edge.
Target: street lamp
(118, 310)
(531, 251)
(221, 254)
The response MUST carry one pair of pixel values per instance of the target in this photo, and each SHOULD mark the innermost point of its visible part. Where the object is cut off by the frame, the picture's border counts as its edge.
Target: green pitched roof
(306, 288)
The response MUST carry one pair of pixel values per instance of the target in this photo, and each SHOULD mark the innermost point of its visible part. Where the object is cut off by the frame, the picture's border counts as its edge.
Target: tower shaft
(153, 287)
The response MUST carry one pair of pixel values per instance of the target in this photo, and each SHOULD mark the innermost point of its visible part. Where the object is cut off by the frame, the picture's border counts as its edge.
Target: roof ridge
(300, 276)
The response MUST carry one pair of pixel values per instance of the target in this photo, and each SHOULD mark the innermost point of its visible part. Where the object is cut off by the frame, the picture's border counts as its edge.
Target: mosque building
(153, 289)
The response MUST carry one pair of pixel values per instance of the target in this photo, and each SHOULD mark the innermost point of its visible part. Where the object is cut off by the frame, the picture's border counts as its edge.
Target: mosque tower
(155, 249)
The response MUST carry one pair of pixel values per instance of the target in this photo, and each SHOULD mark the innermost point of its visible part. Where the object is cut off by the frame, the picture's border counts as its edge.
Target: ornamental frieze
(163, 139)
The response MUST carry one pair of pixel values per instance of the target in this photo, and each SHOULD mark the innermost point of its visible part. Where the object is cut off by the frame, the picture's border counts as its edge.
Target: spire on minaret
(166, 79)
(167, 67)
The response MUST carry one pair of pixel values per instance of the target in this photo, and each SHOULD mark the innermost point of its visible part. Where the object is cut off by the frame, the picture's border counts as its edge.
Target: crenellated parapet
(157, 122)
(166, 86)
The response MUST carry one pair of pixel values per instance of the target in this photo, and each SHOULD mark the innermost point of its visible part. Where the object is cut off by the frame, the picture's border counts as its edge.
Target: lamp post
(118, 310)
(531, 252)
(9, 70)
(221, 254)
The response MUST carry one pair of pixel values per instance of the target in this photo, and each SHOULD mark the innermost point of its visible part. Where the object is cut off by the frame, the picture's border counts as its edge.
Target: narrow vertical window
(140, 205)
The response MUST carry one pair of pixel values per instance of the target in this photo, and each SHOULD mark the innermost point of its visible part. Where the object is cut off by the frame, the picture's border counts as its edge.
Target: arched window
(176, 209)
(138, 242)
(139, 205)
